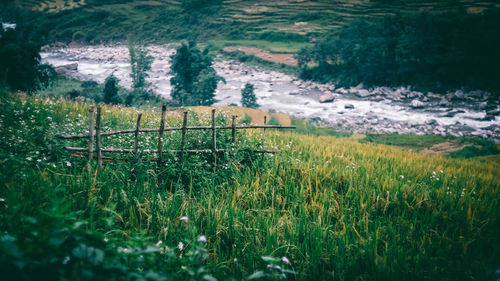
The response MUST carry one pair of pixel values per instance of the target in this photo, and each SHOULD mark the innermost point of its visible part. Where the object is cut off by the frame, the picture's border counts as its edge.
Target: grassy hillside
(336, 209)
(167, 20)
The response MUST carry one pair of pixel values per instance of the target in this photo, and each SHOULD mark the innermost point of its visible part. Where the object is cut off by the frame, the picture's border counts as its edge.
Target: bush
(110, 93)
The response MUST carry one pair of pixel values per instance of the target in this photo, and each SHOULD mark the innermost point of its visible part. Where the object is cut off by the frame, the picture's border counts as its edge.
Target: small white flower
(68, 163)
(235, 260)
(202, 239)
(29, 158)
(401, 176)
(180, 246)
(184, 218)
(159, 243)
(66, 260)
(2, 200)
(285, 259)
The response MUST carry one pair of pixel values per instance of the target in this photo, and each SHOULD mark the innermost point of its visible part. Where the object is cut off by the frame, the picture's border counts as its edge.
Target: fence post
(98, 138)
(264, 129)
(160, 135)
(91, 136)
(233, 129)
(214, 140)
(136, 137)
(183, 139)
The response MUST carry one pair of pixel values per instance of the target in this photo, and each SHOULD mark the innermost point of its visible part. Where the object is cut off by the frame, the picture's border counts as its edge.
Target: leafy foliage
(248, 98)
(428, 50)
(194, 80)
(20, 67)
(140, 63)
(111, 90)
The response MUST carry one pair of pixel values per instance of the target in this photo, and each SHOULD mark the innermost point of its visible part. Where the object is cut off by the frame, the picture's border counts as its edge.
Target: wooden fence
(95, 135)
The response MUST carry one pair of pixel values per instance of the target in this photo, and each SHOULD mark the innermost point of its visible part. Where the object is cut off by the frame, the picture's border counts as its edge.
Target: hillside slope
(167, 20)
(335, 208)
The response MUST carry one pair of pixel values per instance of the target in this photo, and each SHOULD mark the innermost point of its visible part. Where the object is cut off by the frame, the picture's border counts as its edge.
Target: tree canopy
(248, 98)
(20, 67)
(430, 50)
(195, 80)
(111, 90)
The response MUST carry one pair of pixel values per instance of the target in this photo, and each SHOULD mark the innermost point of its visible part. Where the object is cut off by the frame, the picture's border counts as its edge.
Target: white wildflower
(202, 239)
(180, 246)
(401, 176)
(68, 163)
(184, 218)
(66, 260)
(285, 259)
(29, 158)
(159, 243)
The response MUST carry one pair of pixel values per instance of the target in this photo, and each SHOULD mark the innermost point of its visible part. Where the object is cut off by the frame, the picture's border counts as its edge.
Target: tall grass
(335, 208)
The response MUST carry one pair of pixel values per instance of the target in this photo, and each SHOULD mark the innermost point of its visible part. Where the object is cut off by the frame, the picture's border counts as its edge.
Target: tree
(140, 62)
(194, 80)
(20, 67)
(111, 90)
(248, 98)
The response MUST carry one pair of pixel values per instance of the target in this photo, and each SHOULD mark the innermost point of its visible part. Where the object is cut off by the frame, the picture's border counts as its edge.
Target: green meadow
(324, 208)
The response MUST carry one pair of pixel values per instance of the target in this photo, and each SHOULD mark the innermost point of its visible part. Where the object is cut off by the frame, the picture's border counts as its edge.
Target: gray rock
(67, 69)
(327, 97)
(459, 94)
(349, 106)
(417, 104)
(444, 102)
(362, 93)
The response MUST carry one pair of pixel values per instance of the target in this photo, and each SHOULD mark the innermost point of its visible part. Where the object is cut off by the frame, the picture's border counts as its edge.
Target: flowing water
(381, 110)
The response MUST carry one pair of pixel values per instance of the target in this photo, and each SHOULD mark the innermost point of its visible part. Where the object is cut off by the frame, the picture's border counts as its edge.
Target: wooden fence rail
(96, 134)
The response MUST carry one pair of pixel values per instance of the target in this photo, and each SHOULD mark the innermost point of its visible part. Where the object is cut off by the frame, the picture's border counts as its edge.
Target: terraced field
(273, 20)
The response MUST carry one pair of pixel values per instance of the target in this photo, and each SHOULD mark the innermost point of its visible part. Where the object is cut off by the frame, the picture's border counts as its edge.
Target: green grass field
(336, 209)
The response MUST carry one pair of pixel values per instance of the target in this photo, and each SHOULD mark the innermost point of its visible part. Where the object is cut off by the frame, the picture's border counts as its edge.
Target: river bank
(356, 109)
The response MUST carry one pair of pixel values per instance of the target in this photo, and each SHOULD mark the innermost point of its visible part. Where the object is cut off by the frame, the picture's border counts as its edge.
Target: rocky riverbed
(356, 109)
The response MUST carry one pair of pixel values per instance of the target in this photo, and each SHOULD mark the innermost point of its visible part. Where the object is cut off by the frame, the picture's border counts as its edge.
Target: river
(359, 110)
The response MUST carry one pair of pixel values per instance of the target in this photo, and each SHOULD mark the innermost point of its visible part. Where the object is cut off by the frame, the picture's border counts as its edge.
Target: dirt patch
(265, 55)
(444, 148)
(257, 116)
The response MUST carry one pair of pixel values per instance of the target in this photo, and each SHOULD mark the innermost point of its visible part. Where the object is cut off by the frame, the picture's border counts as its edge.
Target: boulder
(459, 94)
(362, 93)
(67, 69)
(326, 97)
(444, 102)
(349, 106)
(417, 104)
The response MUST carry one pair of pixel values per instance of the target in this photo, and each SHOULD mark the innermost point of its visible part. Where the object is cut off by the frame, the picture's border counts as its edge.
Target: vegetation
(471, 146)
(438, 51)
(248, 98)
(325, 207)
(140, 63)
(194, 80)
(20, 67)
(110, 92)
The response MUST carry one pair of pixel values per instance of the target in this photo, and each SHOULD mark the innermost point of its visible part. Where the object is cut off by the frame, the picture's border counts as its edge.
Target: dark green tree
(194, 80)
(20, 67)
(248, 98)
(140, 62)
(111, 90)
